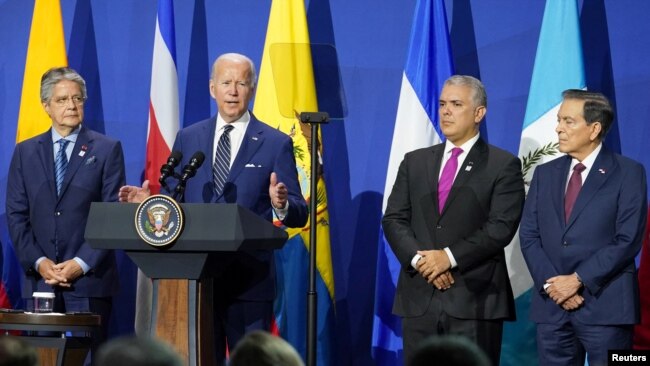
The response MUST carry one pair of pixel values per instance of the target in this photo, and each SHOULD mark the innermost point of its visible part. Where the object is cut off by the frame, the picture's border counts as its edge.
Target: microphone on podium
(167, 169)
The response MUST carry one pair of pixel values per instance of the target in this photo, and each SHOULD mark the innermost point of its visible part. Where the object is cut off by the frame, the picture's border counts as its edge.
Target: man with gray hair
(252, 165)
(53, 178)
(454, 207)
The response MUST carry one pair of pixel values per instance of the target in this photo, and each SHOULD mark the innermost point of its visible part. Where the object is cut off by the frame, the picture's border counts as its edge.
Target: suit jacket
(250, 275)
(40, 222)
(479, 219)
(600, 241)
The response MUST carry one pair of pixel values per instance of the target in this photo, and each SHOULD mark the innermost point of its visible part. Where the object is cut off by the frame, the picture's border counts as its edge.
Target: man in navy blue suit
(260, 175)
(53, 178)
(582, 227)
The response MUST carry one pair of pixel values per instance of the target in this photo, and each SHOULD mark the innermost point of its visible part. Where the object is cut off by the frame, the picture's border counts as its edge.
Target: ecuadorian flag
(286, 87)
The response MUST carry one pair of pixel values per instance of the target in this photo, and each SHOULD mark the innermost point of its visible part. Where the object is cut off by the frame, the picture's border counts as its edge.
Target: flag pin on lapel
(469, 166)
(82, 152)
(254, 138)
(601, 171)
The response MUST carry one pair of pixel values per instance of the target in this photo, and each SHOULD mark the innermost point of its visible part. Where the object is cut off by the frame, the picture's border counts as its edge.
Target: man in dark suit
(580, 240)
(261, 176)
(449, 237)
(53, 178)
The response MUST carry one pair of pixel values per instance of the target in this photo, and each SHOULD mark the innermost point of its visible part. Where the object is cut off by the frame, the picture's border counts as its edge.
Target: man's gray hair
(56, 74)
(237, 57)
(479, 97)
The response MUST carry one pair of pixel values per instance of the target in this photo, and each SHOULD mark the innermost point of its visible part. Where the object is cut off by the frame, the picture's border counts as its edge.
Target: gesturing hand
(134, 194)
(278, 192)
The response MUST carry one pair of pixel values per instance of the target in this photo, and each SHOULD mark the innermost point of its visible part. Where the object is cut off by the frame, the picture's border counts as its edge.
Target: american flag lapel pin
(601, 171)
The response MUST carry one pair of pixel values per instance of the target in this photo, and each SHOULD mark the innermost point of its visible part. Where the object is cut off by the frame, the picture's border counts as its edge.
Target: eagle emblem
(159, 224)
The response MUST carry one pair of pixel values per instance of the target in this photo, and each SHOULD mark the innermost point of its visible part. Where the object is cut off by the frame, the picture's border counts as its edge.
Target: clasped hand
(434, 266)
(62, 274)
(563, 290)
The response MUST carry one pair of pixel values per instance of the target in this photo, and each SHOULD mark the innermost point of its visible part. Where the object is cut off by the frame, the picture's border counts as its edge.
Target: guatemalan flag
(558, 66)
(161, 130)
(428, 65)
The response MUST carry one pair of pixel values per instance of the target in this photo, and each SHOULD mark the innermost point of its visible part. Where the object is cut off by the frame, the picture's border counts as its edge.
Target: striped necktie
(60, 164)
(221, 166)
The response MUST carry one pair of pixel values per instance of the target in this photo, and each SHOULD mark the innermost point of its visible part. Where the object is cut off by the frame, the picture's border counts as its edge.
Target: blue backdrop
(110, 43)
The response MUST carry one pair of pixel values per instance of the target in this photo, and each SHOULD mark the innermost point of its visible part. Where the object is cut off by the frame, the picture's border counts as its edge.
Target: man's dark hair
(597, 108)
(449, 350)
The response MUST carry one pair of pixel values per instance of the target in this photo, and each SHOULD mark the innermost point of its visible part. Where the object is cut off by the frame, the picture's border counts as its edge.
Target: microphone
(189, 170)
(167, 169)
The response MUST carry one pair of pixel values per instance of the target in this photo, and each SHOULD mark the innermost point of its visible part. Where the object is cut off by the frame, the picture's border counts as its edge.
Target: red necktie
(572, 190)
(447, 177)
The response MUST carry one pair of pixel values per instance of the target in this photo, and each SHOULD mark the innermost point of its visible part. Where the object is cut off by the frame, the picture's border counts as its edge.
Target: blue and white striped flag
(428, 65)
(558, 66)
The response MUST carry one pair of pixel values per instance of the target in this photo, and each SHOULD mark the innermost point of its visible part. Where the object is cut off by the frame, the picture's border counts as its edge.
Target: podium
(182, 315)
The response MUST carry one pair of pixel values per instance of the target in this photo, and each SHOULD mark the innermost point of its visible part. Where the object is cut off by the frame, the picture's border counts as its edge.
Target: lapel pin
(468, 168)
(82, 152)
(601, 171)
(254, 138)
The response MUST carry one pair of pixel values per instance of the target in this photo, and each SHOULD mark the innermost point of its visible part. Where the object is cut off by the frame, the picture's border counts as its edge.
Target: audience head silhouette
(449, 350)
(137, 351)
(259, 348)
(15, 352)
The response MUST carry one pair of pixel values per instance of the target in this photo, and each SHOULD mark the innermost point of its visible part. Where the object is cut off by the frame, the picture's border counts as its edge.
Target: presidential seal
(159, 220)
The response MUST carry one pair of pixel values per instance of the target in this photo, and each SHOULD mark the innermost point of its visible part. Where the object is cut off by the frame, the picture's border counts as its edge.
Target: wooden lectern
(182, 309)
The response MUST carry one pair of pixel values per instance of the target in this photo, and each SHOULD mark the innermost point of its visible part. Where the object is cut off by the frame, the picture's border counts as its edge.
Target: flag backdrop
(428, 65)
(285, 87)
(558, 66)
(161, 131)
(46, 49)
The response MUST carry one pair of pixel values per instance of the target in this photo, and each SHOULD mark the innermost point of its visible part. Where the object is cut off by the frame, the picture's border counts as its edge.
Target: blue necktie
(221, 166)
(60, 164)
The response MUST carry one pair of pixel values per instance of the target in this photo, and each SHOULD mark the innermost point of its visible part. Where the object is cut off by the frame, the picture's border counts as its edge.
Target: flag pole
(314, 119)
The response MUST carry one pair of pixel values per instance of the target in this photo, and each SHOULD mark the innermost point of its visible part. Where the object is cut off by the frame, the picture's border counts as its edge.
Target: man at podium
(252, 165)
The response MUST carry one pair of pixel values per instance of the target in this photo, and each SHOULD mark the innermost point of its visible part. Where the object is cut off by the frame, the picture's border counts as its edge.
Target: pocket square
(249, 165)
(90, 160)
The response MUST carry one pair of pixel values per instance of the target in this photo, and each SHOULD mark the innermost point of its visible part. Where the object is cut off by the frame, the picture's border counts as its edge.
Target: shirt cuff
(281, 213)
(82, 264)
(38, 261)
(414, 261)
(452, 260)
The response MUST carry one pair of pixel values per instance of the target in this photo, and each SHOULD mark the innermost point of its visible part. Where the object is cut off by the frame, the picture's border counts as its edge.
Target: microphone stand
(313, 118)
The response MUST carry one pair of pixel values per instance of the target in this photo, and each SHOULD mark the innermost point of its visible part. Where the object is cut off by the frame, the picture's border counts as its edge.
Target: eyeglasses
(63, 101)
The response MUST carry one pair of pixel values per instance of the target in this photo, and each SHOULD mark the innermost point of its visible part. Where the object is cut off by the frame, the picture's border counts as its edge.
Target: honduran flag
(428, 65)
(161, 131)
(286, 85)
(558, 66)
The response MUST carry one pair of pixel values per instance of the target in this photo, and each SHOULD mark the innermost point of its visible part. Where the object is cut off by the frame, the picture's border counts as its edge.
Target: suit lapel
(84, 142)
(46, 157)
(432, 167)
(253, 139)
(472, 162)
(558, 185)
(603, 168)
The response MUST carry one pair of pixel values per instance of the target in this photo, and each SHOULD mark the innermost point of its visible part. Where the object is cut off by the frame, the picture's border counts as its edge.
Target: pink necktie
(572, 190)
(447, 177)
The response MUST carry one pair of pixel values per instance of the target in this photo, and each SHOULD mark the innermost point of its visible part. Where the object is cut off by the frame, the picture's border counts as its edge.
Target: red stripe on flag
(4, 298)
(157, 152)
